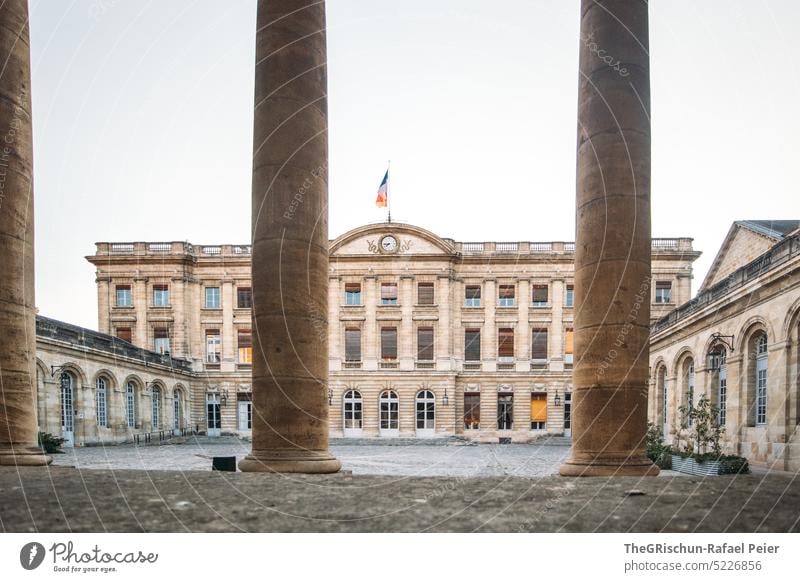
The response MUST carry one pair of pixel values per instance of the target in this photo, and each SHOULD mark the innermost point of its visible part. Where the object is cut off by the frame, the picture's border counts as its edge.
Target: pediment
(409, 240)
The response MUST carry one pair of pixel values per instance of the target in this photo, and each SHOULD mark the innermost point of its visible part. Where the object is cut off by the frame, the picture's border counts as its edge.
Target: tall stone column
(18, 438)
(612, 256)
(290, 242)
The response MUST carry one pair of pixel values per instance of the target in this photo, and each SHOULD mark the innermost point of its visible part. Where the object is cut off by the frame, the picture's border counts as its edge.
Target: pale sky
(142, 115)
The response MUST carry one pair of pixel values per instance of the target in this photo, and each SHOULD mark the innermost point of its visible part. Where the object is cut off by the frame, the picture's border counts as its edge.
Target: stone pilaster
(443, 344)
(105, 299)
(18, 438)
(523, 331)
(228, 330)
(369, 337)
(612, 251)
(141, 301)
(178, 341)
(489, 335)
(335, 349)
(555, 341)
(406, 336)
(290, 241)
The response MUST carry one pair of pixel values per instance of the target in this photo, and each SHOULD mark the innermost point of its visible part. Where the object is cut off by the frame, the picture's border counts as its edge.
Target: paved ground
(415, 458)
(61, 499)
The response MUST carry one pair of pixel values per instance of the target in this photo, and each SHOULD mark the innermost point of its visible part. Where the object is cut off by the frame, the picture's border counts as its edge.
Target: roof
(82, 337)
(775, 230)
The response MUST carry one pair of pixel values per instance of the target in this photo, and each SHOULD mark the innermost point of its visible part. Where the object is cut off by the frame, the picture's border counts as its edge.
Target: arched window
(130, 404)
(101, 401)
(177, 409)
(156, 400)
(389, 411)
(761, 379)
(661, 388)
(426, 410)
(67, 406)
(353, 406)
(689, 381)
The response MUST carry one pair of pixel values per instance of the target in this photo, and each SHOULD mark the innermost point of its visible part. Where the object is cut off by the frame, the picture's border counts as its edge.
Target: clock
(389, 244)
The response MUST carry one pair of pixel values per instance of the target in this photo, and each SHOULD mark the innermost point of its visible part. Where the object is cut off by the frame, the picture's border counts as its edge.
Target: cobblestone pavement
(415, 458)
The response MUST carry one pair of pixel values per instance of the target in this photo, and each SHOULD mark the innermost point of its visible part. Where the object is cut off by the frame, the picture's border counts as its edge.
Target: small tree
(704, 434)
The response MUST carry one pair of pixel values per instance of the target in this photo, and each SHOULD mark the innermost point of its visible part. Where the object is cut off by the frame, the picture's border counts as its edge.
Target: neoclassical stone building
(738, 342)
(428, 336)
(93, 388)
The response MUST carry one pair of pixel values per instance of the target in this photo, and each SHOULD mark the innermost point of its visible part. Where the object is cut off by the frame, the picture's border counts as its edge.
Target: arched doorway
(352, 410)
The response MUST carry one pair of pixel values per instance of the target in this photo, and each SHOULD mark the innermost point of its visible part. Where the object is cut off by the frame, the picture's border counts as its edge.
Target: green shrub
(733, 465)
(49, 443)
(657, 451)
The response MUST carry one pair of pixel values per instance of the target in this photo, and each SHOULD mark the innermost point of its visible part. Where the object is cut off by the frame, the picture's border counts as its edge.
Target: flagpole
(389, 198)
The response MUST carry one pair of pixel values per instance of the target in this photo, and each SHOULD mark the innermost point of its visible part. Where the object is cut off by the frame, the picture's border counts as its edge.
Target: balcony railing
(781, 253)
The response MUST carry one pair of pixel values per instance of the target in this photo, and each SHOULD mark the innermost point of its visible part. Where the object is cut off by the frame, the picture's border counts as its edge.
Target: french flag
(383, 192)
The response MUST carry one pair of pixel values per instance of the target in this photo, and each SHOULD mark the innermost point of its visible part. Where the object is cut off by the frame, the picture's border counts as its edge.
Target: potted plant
(699, 451)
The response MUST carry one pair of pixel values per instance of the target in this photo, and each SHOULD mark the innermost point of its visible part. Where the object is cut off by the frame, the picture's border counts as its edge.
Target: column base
(23, 456)
(281, 461)
(602, 468)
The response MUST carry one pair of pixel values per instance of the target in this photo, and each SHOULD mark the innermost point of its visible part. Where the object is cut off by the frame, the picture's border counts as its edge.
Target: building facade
(93, 388)
(738, 342)
(428, 336)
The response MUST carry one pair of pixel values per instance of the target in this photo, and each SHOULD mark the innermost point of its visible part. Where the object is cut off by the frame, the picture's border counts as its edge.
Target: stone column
(290, 242)
(612, 255)
(18, 438)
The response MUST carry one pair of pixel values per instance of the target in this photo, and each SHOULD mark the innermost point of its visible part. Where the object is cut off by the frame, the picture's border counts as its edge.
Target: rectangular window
(472, 410)
(102, 410)
(663, 292)
(245, 342)
(539, 345)
(505, 344)
(161, 340)
(213, 344)
(245, 412)
(425, 294)
(352, 293)
(388, 293)
(761, 390)
(244, 297)
(161, 295)
(472, 345)
(539, 298)
(568, 345)
(538, 411)
(507, 294)
(472, 296)
(425, 344)
(505, 411)
(124, 333)
(389, 343)
(212, 298)
(352, 344)
(570, 299)
(124, 296)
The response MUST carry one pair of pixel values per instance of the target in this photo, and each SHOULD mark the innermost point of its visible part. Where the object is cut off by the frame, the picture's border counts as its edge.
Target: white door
(245, 416)
(389, 414)
(426, 414)
(213, 415)
(352, 411)
(67, 410)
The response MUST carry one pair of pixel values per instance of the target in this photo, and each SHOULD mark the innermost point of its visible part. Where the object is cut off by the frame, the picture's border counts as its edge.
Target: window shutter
(540, 293)
(352, 345)
(538, 407)
(425, 294)
(506, 343)
(472, 292)
(389, 343)
(389, 291)
(425, 344)
(568, 342)
(539, 344)
(472, 345)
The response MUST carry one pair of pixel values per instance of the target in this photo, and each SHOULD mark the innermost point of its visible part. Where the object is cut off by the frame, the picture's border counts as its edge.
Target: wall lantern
(557, 399)
(445, 398)
(330, 396)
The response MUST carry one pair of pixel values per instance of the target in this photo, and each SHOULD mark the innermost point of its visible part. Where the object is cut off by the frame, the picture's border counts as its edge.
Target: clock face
(388, 244)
